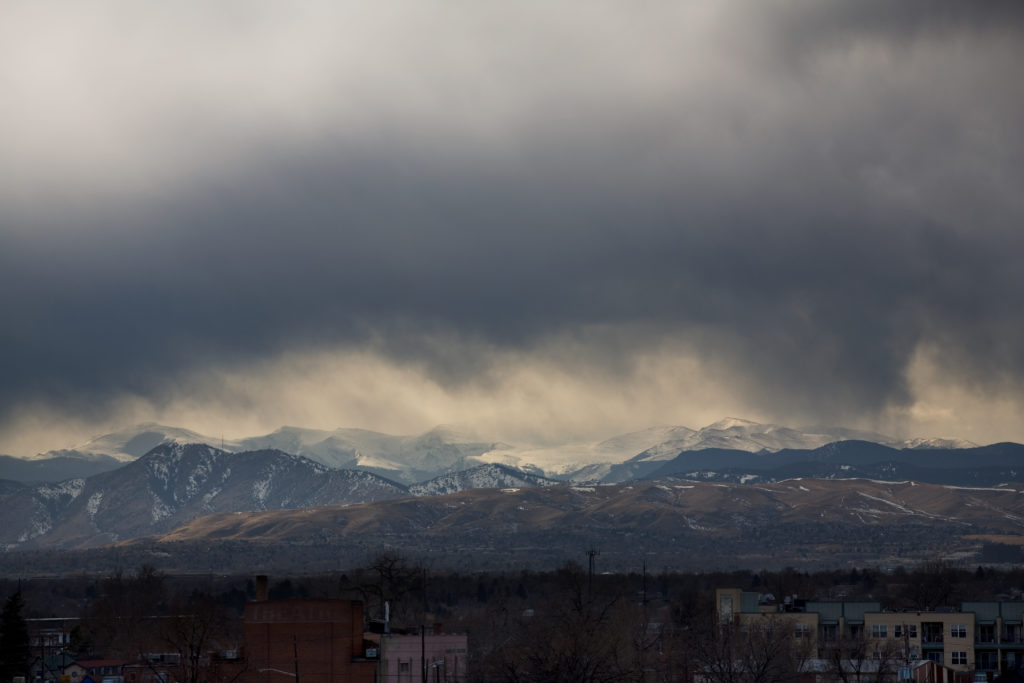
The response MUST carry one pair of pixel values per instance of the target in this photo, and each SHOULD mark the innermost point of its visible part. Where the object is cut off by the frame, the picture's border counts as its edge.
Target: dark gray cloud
(826, 191)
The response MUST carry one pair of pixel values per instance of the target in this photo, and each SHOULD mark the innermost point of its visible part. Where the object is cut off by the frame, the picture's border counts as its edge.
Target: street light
(436, 666)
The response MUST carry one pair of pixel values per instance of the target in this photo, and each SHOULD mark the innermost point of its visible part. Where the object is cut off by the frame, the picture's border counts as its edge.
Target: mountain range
(176, 483)
(445, 449)
(690, 526)
(174, 491)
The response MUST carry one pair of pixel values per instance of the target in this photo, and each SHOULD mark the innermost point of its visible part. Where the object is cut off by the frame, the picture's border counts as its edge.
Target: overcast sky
(546, 220)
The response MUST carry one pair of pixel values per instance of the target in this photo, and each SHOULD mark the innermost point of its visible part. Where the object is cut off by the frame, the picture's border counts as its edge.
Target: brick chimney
(261, 588)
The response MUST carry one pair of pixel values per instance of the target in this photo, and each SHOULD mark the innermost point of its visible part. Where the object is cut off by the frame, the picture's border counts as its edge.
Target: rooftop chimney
(261, 588)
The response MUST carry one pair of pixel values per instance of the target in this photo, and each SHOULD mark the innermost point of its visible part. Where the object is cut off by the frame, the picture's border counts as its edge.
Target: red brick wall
(315, 639)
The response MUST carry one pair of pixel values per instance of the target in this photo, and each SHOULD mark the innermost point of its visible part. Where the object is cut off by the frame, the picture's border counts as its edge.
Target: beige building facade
(986, 638)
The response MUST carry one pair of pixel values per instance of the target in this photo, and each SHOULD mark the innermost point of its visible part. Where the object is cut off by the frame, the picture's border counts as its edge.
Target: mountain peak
(734, 422)
(451, 432)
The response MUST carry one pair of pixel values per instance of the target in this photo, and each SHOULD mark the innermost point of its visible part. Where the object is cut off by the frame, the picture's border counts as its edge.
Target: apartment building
(984, 638)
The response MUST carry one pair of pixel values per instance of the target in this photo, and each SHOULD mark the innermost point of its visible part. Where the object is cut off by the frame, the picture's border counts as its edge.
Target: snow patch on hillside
(261, 489)
(160, 510)
(70, 488)
(93, 504)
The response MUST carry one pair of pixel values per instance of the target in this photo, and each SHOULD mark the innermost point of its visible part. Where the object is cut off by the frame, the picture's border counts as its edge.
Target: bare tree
(115, 622)
(761, 650)
(933, 584)
(578, 636)
(195, 629)
(391, 578)
(858, 659)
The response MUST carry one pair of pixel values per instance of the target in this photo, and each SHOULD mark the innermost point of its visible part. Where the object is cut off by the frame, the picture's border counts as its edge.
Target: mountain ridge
(689, 525)
(411, 459)
(173, 484)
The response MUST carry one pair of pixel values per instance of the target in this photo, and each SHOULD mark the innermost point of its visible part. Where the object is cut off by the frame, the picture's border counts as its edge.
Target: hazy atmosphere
(541, 220)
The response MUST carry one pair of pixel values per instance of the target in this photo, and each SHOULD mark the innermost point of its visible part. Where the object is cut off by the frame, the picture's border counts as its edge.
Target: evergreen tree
(14, 650)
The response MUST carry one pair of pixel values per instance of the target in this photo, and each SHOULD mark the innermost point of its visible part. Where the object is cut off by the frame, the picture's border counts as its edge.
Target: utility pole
(423, 630)
(643, 634)
(591, 554)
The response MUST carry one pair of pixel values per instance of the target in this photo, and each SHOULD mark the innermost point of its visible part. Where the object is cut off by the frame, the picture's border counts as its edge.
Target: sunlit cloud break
(544, 220)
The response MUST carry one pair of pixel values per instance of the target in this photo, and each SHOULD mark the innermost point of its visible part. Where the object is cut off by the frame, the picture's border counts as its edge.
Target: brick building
(306, 641)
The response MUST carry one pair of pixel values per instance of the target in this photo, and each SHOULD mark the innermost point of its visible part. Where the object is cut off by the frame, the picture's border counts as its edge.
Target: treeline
(414, 590)
(568, 624)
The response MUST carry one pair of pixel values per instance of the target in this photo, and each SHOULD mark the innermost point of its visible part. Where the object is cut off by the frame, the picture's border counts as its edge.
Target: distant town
(396, 620)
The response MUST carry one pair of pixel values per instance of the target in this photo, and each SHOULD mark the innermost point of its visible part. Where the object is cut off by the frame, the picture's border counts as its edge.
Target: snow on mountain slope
(172, 484)
(595, 461)
(444, 449)
(490, 476)
(133, 442)
(594, 458)
(753, 437)
(338, 448)
(936, 443)
(744, 435)
(288, 439)
(404, 458)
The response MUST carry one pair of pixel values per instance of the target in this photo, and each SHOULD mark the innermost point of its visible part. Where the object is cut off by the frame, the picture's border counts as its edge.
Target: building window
(725, 607)
(935, 657)
(403, 667)
(957, 631)
(802, 631)
(879, 631)
(958, 658)
(829, 631)
(905, 630)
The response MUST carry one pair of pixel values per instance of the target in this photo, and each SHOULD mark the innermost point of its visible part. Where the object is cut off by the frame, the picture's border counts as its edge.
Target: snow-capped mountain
(586, 460)
(173, 484)
(130, 443)
(403, 458)
(922, 444)
(443, 450)
(615, 459)
(492, 476)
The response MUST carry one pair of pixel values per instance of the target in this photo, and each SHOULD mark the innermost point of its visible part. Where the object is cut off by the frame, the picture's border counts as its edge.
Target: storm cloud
(804, 212)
